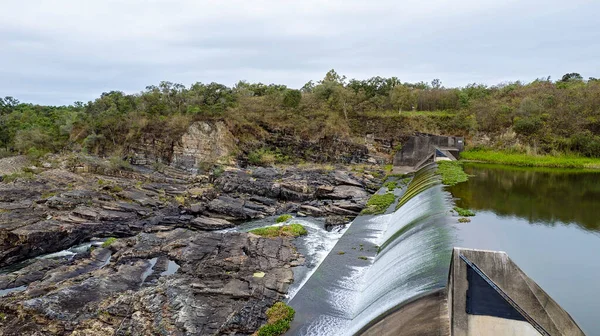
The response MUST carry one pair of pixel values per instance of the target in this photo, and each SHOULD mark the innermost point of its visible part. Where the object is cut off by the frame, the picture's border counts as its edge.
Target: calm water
(549, 224)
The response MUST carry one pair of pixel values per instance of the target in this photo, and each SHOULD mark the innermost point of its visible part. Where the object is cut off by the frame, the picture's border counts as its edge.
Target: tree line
(549, 116)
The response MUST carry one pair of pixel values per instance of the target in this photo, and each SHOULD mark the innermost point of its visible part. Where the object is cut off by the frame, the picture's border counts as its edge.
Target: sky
(61, 51)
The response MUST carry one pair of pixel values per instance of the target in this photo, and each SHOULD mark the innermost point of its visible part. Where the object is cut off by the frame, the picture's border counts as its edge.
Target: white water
(415, 251)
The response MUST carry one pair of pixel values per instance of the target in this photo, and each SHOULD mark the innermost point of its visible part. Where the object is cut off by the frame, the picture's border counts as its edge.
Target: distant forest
(543, 116)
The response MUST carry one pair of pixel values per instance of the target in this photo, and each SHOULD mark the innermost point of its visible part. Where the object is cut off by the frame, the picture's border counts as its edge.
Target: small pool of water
(547, 221)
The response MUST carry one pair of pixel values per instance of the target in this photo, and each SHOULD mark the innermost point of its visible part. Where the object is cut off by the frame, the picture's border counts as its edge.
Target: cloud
(61, 51)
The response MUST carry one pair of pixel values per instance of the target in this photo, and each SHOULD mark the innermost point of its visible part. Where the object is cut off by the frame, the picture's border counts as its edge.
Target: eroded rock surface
(213, 292)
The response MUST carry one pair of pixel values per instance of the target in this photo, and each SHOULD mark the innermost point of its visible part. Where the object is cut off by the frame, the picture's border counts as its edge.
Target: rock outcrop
(178, 282)
(204, 143)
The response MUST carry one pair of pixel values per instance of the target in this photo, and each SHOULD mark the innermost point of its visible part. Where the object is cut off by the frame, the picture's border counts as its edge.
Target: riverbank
(524, 160)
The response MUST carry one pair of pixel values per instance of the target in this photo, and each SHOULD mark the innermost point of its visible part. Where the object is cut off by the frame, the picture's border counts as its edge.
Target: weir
(399, 274)
(380, 262)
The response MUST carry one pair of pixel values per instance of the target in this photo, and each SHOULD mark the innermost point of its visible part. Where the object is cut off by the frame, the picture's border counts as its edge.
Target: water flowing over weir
(380, 263)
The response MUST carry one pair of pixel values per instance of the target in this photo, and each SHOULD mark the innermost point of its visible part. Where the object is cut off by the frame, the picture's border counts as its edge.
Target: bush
(292, 98)
(279, 318)
(266, 157)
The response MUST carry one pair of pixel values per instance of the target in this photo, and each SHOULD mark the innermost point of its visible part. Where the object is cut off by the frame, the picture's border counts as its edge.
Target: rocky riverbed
(165, 220)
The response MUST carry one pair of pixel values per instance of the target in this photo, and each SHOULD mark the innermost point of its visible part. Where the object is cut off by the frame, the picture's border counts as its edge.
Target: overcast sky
(61, 51)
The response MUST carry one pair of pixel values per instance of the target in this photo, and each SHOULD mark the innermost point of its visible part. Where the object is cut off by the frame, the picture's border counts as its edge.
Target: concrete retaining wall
(500, 269)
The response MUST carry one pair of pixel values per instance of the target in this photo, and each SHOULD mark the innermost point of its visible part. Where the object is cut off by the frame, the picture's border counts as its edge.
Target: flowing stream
(379, 263)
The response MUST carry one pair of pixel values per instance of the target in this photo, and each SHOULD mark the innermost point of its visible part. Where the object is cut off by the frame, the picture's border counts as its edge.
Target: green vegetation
(464, 212)
(283, 218)
(25, 176)
(539, 118)
(391, 185)
(279, 318)
(292, 230)
(378, 204)
(266, 157)
(109, 242)
(464, 220)
(452, 172)
(525, 160)
(341, 253)
(363, 258)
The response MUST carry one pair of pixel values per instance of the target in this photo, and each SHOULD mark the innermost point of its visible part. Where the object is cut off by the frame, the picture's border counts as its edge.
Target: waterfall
(411, 257)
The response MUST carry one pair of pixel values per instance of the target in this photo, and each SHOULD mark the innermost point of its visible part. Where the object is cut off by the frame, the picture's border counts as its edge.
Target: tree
(571, 77)
(292, 98)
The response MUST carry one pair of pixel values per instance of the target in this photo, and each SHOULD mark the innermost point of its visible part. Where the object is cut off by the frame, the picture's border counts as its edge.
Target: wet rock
(312, 211)
(336, 220)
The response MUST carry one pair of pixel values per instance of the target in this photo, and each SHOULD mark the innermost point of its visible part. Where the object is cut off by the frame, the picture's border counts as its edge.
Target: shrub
(377, 204)
(283, 218)
(279, 318)
(292, 98)
(117, 163)
(292, 230)
(266, 157)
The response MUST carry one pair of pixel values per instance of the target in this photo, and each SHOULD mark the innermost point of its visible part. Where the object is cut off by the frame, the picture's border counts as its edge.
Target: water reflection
(538, 195)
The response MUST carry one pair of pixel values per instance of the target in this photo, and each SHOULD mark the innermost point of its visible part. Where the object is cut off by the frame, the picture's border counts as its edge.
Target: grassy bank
(524, 160)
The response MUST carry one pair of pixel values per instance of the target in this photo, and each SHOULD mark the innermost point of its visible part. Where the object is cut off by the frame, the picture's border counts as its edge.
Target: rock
(347, 192)
(324, 190)
(264, 200)
(232, 207)
(311, 210)
(336, 220)
(210, 224)
(224, 285)
(204, 142)
(343, 178)
(197, 208)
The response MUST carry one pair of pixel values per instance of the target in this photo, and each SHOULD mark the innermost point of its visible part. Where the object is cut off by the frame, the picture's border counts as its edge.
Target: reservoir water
(548, 221)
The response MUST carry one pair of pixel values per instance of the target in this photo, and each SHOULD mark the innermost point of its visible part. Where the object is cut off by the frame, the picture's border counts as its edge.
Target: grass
(279, 318)
(524, 160)
(109, 242)
(283, 218)
(464, 220)
(377, 204)
(363, 258)
(292, 230)
(464, 212)
(452, 172)
(25, 176)
(391, 185)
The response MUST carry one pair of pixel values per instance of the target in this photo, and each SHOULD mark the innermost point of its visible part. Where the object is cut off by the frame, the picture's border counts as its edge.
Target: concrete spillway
(379, 263)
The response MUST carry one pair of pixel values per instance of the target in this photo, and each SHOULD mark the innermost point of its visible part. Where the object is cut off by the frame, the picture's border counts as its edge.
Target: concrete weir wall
(533, 304)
